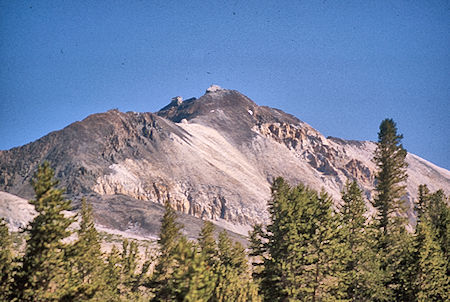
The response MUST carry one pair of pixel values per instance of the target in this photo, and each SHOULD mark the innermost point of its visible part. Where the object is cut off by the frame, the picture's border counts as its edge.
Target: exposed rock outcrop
(211, 158)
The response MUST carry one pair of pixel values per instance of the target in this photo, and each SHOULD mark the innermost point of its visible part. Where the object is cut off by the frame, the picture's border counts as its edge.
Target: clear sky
(341, 66)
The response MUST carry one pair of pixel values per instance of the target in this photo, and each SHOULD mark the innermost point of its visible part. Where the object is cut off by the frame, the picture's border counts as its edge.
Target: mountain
(211, 158)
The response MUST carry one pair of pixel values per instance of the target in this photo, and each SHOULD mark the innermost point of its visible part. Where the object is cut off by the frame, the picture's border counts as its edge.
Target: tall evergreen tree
(234, 281)
(432, 282)
(169, 239)
(434, 207)
(390, 159)
(422, 202)
(192, 279)
(85, 262)
(6, 262)
(362, 273)
(42, 275)
(113, 276)
(125, 274)
(228, 261)
(207, 243)
(394, 244)
(182, 272)
(300, 248)
(438, 211)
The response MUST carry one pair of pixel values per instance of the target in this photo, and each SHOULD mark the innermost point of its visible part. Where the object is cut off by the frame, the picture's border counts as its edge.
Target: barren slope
(212, 158)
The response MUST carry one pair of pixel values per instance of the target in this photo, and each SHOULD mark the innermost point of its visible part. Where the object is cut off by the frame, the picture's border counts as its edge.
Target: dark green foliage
(169, 239)
(437, 211)
(6, 261)
(85, 262)
(228, 262)
(192, 279)
(43, 273)
(422, 202)
(362, 275)
(183, 272)
(431, 281)
(390, 159)
(394, 244)
(301, 248)
(432, 241)
(125, 274)
(234, 283)
(113, 276)
(307, 252)
(207, 243)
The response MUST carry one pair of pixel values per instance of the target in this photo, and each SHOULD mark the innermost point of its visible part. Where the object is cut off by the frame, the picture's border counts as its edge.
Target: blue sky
(341, 66)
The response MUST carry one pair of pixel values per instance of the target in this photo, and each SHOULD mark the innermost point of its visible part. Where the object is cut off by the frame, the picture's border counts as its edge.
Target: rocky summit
(212, 158)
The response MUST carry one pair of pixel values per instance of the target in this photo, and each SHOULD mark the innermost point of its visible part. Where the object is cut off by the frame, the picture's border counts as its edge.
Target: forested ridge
(308, 251)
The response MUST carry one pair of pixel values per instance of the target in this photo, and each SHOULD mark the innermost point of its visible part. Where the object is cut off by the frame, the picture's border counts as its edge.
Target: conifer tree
(227, 260)
(182, 272)
(422, 202)
(390, 159)
(125, 274)
(234, 282)
(362, 276)
(6, 262)
(169, 239)
(192, 279)
(85, 261)
(434, 207)
(207, 243)
(395, 247)
(438, 211)
(354, 223)
(42, 274)
(301, 247)
(432, 282)
(113, 275)
(133, 270)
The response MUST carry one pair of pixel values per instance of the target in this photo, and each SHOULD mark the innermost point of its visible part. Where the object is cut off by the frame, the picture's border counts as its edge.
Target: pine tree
(355, 235)
(422, 203)
(85, 261)
(390, 159)
(6, 262)
(207, 243)
(438, 211)
(300, 248)
(133, 274)
(432, 281)
(169, 239)
(42, 275)
(113, 276)
(228, 262)
(234, 282)
(394, 243)
(182, 271)
(192, 279)
(434, 207)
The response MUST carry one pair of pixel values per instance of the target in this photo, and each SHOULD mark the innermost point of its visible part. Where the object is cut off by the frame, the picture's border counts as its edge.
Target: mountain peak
(215, 99)
(214, 88)
(217, 164)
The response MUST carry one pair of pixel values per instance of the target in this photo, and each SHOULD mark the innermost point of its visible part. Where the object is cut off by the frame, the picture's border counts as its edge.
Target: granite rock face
(212, 158)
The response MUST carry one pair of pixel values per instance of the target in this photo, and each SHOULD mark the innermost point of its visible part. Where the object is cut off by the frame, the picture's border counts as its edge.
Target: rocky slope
(211, 158)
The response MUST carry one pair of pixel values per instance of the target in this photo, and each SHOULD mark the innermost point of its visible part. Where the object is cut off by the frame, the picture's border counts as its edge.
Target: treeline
(55, 268)
(310, 250)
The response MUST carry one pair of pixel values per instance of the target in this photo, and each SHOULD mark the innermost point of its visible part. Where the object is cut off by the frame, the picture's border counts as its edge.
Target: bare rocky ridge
(211, 158)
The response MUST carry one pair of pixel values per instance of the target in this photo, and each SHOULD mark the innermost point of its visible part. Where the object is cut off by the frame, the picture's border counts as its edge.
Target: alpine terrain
(212, 158)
